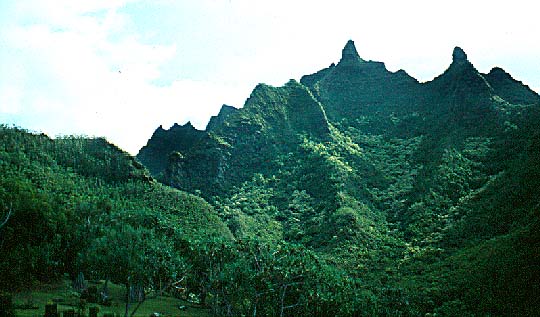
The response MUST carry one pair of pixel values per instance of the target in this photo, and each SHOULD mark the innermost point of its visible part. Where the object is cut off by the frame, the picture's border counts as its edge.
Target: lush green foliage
(76, 196)
(404, 189)
(356, 192)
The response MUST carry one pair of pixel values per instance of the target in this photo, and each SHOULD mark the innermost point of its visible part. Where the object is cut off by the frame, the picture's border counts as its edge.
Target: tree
(133, 257)
(257, 279)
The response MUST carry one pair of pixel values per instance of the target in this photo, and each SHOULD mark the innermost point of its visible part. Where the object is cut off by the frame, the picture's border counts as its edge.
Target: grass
(63, 294)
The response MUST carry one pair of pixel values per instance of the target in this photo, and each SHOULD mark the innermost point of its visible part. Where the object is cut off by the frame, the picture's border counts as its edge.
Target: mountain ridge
(352, 88)
(354, 192)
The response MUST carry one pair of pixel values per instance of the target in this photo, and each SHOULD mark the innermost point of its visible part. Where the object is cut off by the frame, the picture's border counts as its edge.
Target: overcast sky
(121, 68)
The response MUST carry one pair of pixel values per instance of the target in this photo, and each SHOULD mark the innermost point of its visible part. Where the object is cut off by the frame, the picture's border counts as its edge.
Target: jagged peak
(461, 64)
(188, 125)
(225, 107)
(403, 73)
(462, 73)
(459, 55)
(350, 49)
(511, 89)
(349, 55)
(497, 73)
(159, 131)
(292, 82)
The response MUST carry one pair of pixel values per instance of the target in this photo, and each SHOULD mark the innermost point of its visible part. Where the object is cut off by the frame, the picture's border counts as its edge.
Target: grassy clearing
(63, 294)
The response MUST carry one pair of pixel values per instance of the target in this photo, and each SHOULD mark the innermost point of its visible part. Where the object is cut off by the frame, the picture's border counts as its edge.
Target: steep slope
(245, 142)
(510, 89)
(461, 95)
(394, 181)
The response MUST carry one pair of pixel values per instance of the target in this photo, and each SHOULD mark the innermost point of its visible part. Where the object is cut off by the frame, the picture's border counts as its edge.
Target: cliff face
(237, 142)
(353, 93)
(355, 87)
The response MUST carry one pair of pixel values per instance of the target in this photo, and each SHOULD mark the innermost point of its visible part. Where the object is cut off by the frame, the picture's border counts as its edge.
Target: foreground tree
(254, 279)
(133, 257)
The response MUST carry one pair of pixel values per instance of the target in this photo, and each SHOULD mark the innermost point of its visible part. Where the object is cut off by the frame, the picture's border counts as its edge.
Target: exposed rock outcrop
(179, 138)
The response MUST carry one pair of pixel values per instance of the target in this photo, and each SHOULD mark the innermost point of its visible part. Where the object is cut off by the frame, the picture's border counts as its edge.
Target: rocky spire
(458, 55)
(350, 56)
(460, 63)
(463, 85)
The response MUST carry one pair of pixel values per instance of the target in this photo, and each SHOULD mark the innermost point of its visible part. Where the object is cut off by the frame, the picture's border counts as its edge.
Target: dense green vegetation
(422, 196)
(82, 205)
(355, 192)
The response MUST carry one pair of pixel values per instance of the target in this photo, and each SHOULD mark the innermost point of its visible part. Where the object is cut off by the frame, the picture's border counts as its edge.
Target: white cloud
(90, 67)
(75, 79)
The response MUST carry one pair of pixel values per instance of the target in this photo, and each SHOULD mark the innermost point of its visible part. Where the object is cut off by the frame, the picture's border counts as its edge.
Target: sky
(121, 68)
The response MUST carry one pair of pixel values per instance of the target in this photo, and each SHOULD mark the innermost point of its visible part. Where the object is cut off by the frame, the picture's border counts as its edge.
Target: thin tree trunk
(105, 290)
(255, 306)
(283, 300)
(138, 305)
(7, 217)
(127, 300)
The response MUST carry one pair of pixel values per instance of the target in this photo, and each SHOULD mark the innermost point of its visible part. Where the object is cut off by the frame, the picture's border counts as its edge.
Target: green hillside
(76, 204)
(415, 192)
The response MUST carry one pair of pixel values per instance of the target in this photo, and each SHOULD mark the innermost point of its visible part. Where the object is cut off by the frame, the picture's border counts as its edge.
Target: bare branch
(292, 306)
(8, 215)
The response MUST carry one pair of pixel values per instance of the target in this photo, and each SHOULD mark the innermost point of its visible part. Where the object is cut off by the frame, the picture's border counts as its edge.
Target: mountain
(237, 143)
(179, 138)
(510, 89)
(355, 87)
(354, 192)
(410, 187)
